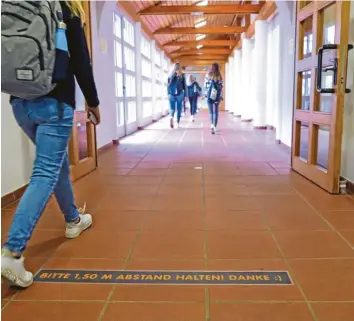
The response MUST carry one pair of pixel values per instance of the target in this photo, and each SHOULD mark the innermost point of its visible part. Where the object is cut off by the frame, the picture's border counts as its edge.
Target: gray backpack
(28, 47)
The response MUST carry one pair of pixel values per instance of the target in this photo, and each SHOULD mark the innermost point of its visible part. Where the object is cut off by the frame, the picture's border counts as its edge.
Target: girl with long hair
(213, 92)
(177, 92)
(193, 94)
(48, 122)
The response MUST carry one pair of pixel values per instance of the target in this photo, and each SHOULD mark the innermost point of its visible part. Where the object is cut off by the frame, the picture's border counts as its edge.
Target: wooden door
(82, 146)
(321, 66)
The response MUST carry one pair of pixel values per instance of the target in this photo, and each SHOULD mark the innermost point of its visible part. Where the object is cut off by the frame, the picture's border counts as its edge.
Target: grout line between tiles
(205, 241)
(293, 276)
(324, 219)
(110, 295)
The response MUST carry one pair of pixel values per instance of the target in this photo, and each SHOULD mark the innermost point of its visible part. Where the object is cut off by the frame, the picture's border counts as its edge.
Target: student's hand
(96, 112)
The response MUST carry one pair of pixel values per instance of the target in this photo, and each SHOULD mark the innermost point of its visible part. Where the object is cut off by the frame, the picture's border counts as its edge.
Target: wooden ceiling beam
(204, 30)
(201, 57)
(214, 43)
(206, 63)
(200, 51)
(210, 9)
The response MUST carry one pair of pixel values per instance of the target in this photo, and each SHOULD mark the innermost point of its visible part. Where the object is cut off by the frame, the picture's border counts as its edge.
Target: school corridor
(185, 200)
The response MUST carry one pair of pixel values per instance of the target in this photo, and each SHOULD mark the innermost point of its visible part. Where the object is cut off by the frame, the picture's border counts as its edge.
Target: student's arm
(80, 61)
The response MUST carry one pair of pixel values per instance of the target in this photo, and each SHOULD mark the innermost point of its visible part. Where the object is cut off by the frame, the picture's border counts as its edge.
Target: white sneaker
(73, 230)
(13, 270)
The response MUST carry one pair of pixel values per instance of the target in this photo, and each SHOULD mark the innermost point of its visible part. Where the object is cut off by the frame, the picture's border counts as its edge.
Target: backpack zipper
(48, 31)
(28, 21)
(41, 56)
(17, 16)
(21, 6)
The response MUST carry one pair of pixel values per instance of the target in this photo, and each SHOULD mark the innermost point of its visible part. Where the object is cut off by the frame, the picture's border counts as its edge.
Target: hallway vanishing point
(184, 199)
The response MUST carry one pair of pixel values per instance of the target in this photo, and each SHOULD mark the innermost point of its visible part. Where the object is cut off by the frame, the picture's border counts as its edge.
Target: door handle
(333, 68)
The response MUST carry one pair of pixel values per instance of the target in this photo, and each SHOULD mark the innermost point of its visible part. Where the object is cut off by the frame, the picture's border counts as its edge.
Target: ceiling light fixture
(200, 24)
(202, 3)
(200, 37)
(199, 46)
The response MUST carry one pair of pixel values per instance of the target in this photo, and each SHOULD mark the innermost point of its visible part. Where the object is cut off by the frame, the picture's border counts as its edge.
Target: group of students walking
(43, 50)
(179, 91)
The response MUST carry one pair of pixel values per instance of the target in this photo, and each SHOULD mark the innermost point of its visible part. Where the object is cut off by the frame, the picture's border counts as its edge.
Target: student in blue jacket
(194, 91)
(177, 92)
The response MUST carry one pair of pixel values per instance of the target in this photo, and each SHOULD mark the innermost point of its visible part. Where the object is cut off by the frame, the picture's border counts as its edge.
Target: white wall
(103, 67)
(348, 126)
(286, 22)
(17, 151)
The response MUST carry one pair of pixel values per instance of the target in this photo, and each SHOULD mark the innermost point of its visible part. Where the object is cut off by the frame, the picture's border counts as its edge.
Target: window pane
(146, 47)
(128, 32)
(129, 56)
(117, 26)
(118, 54)
(120, 113)
(147, 88)
(130, 86)
(131, 112)
(147, 108)
(146, 68)
(119, 84)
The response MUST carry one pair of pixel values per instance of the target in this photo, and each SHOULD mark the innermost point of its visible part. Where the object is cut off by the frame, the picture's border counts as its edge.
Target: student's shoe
(178, 125)
(213, 130)
(73, 230)
(13, 270)
(171, 123)
(192, 118)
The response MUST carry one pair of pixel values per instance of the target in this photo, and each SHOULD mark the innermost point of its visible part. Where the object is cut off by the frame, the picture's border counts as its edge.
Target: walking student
(194, 91)
(48, 119)
(213, 93)
(177, 92)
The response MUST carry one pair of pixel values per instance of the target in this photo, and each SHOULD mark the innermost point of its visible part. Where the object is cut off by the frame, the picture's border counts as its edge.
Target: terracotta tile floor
(188, 200)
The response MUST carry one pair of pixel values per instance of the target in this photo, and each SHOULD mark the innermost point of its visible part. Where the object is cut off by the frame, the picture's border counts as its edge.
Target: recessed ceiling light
(200, 37)
(199, 46)
(202, 3)
(200, 24)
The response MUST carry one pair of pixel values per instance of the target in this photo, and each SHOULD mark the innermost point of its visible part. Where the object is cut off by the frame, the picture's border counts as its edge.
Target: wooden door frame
(328, 180)
(80, 168)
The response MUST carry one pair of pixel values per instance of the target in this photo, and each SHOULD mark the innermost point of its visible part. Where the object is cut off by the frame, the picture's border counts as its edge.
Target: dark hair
(215, 73)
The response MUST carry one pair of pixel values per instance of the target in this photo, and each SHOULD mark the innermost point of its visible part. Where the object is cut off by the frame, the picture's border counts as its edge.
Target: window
(147, 88)
(130, 86)
(129, 59)
(146, 47)
(157, 57)
(147, 108)
(146, 68)
(131, 112)
(330, 34)
(117, 25)
(118, 54)
(307, 45)
(128, 32)
(119, 84)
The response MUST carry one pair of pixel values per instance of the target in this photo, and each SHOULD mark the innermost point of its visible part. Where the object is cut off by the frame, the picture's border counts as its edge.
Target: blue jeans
(213, 112)
(176, 101)
(48, 124)
(193, 104)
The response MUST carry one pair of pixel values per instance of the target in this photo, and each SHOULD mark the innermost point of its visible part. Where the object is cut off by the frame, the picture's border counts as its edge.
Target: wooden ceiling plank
(216, 43)
(204, 30)
(201, 52)
(210, 9)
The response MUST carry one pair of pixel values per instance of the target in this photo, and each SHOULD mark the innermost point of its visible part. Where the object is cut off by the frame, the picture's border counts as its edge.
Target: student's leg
(51, 138)
(216, 114)
(172, 100)
(180, 100)
(211, 112)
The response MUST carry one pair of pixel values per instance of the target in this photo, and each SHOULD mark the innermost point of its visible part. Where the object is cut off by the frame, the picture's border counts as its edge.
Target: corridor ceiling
(198, 32)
